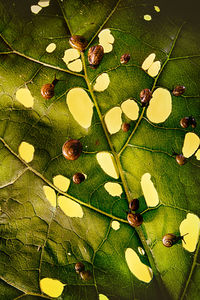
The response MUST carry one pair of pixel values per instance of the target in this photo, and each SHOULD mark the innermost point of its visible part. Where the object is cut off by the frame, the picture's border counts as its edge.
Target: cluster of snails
(134, 219)
(80, 269)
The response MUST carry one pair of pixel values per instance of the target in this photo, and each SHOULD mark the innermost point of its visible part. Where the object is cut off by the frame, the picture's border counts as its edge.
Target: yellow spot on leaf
(160, 106)
(154, 69)
(71, 58)
(113, 188)
(43, 3)
(51, 47)
(148, 61)
(157, 8)
(197, 154)
(191, 144)
(24, 96)
(106, 40)
(50, 195)
(149, 191)
(107, 163)
(140, 270)
(26, 151)
(102, 82)
(69, 207)
(113, 119)
(147, 17)
(191, 226)
(103, 297)
(115, 225)
(61, 182)
(80, 106)
(51, 287)
(75, 66)
(35, 9)
(141, 251)
(131, 109)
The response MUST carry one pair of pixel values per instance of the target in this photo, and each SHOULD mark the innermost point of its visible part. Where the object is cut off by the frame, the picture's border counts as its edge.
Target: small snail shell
(180, 159)
(170, 239)
(79, 267)
(78, 42)
(145, 96)
(47, 90)
(134, 204)
(178, 90)
(185, 122)
(193, 122)
(135, 220)
(125, 127)
(78, 178)
(86, 275)
(95, 55)
(72, 149)
(125, 58)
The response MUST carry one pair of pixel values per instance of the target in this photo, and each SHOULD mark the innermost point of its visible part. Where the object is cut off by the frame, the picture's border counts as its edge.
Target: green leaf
(38, 240)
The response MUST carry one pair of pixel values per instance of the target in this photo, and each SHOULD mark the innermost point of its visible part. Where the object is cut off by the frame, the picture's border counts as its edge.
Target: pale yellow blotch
(75, 66)
(80, 106)
(35, 9)
(103, 297)
(70, 207)
(107, 163)
(197, 154)
(51, 287)
(115, 225)
(102, 82)
(70, 54)
(43, 3)
(191, 144)
(51, 47)
(147, 17)
(140, 270)
(141, 251)
(113, 119)
(154, 69)
(23, 95)
(130, 109)
(157, 8)
(61, 182)
(191, 226)
(50, 195)
(160, 106)
(113, 188)
(149, 191)
(26, 151)
(148, 61)
(106, 39)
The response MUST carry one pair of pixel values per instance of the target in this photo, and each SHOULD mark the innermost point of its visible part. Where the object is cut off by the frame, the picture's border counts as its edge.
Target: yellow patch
(51, 287)
(130, 109)
(61, 182)
(50, 195)
(103, 297)
(113, 119)
(115, 225)
(71, 58)
(43, 3)
(157, 8)
(197, 154)
(154, 69)
(102, 82)
(106, 40)
(35, 9)
(51, 47)
(149, 191)
(190, 226)
(107, 163)
(80, 106)
(141, 251)
(69, 207)
(26, 151)
(191, 144)
(113, 188)
(147, 17)
(148, 61)
(139, 270)
(23, 95)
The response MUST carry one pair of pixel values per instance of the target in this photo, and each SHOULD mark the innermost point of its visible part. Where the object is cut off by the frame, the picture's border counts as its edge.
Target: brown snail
(134, 220)
(178, 90)
(72, 149)
(79, 267)
(145, 96)
(125, 127)
(86, 275)
(134, 204)
(78, 42)
(170, 239)
(180, 159)
(187, 121)
(95, 55)
(47, 90)
(78, 178)
(124, 59)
